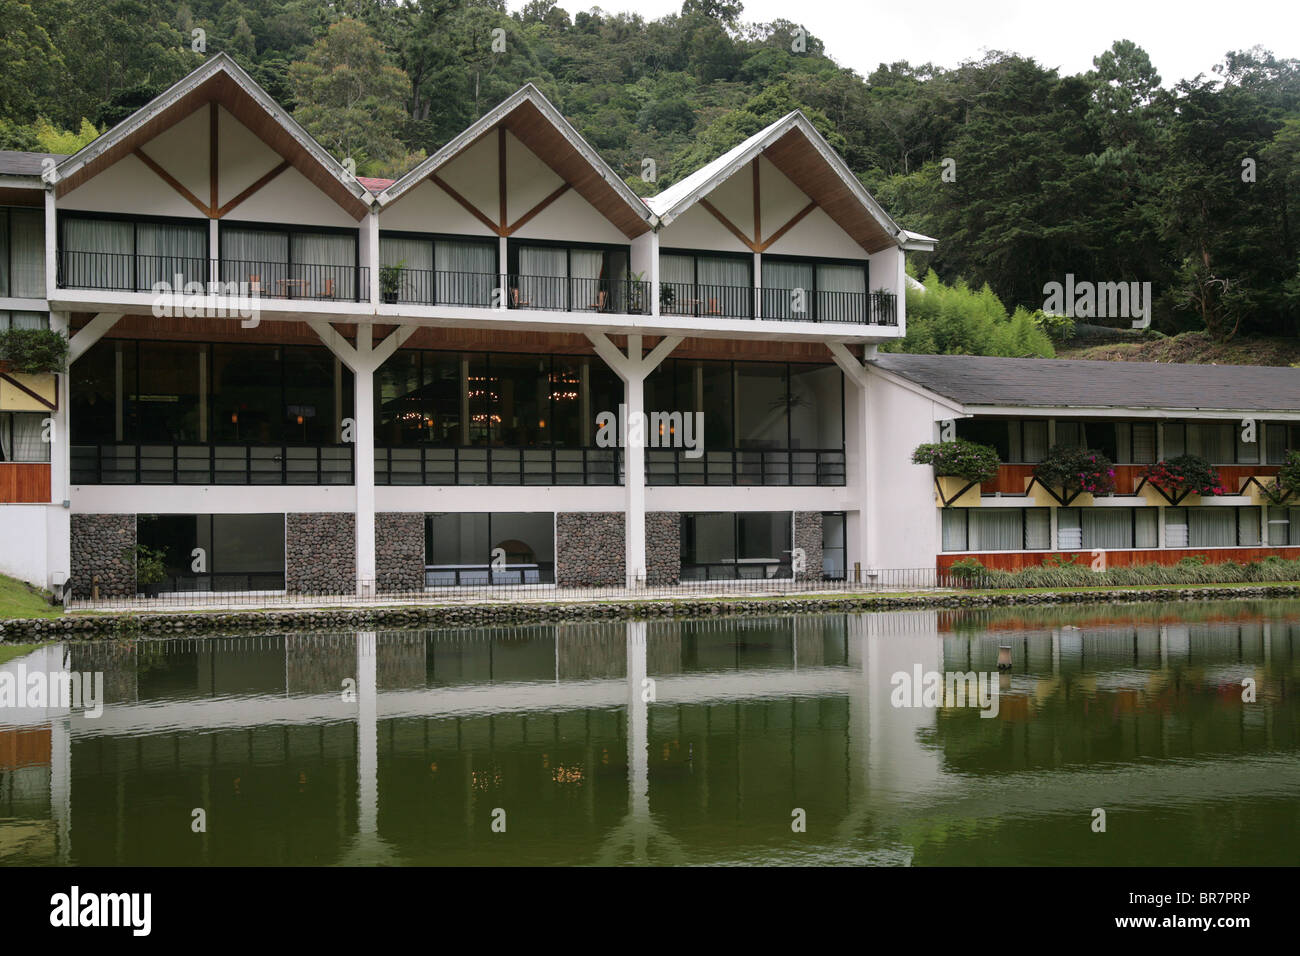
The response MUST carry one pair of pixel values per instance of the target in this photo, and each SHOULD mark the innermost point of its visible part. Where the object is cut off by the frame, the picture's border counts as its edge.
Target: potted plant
(150, 570)
(33, 351)
(667, 297)
(958, 465)
(1067, 473)
(390, 281)
(1183, 476)
(636, 293)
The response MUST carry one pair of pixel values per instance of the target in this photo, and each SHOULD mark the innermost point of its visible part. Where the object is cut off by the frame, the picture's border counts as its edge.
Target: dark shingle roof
(984, 380)
(15, 163)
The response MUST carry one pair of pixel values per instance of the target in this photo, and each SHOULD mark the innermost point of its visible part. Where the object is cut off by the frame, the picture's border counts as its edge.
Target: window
(705, 284)
(1279, 439)
(441, 271)
(22, 253)
(573, 278)
(24, 320)
(1217, 442)
(1016, 441)
(808, 289)
(834, 551)
(1212, 527)
(1135, 443)
(22, 437)
(996, 529)
(736, 545)
(460, 548)
(132, 255)
(1283, 526)
(1101, 529)
(243, 552)
(291, 263)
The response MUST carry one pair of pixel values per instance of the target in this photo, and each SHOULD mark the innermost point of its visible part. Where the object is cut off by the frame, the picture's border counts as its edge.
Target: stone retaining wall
(399, 551)
(320, 553)
(102, 546)
(589, 549)
(663, 547)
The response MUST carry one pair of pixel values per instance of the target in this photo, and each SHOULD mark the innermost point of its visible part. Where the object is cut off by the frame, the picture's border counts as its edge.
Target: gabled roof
(536, 123)
(979, 380)
(219, 79)
(793, 145)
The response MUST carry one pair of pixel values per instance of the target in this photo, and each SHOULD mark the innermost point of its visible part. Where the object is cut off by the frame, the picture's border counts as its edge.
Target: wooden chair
(713, 308)
(329, 288)
(255, 284)
(601, 299)
(516, 301)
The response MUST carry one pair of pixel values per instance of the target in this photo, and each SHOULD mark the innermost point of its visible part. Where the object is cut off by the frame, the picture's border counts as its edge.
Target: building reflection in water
(643, 742)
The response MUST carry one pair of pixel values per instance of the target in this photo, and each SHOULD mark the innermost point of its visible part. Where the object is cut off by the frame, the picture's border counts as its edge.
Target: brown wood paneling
(24, 482)
(10, 196)
(1010, 480)
(1018, 560)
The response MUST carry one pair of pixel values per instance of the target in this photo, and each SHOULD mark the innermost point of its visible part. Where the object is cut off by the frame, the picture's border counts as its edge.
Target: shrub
(958, 459)
(150, 565)
(1193, 569)
(1076, 470)
(1288, 476)
(34, 351)
(1184, 475)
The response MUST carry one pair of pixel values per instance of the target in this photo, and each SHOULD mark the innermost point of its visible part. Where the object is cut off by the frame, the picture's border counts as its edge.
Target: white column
(859, 547)
(758, 284)
(51, 244)
(363, 408)
(214, 250)
(371, 247)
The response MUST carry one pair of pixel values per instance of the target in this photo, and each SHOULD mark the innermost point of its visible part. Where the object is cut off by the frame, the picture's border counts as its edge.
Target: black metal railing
(744, 569)
(706, 301)
(430, 287)
(218, 463)
(420, 465)
(804, 305)
(674, 466)
(217, 582)
(127, 272)
(626, 296)
(298, 280)
(483, 575)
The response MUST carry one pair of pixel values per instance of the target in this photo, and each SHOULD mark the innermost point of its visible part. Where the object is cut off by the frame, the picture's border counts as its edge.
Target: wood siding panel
(24, 483)
(1019, 560)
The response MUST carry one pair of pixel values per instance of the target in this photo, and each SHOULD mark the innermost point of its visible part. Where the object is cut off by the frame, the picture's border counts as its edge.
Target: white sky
(1183, 37)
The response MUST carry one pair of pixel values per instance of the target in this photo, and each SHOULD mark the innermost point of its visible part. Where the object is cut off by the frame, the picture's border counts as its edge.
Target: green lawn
(18, 599)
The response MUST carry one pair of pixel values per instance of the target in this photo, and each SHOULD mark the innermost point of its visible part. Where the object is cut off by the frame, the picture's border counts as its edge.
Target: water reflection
(672, 742)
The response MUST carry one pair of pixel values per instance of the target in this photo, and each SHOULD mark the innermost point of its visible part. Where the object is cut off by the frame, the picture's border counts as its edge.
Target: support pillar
(859, 547)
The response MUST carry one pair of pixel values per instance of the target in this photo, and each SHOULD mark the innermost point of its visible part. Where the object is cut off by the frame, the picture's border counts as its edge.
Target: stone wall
(589, 549)
(808, 535)
(102, 546)
(663, 547)
(320, 553)
(399, 551)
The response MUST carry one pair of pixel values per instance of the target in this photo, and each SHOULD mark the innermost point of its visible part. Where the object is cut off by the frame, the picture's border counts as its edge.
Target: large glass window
(466, 548)
(996, 529)
(806, 289)
(131, 255)
(237, 552)
(834, 550)
(575, 278)
(24, 320)
(291, 263)
(706, 284)
(1283, 526)
(1217, 442)
(1212, 527)
(1091, 529)
(22, 253)
(437, 270)
(1016, 440)
(1280, 439)
(22, 437)
(736, 545)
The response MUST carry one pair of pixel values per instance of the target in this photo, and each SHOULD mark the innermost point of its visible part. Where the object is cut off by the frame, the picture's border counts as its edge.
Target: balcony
(706, 301)
(823, 467)
(498, 466)
(128, 272)
(162, 463)
(737, 302)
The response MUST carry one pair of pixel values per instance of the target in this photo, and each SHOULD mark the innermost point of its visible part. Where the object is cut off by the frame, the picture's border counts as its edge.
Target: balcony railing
(742, 569)
(805, 305)
(223, 463)
(221, 581)
(745, 467)
(479, 575)
(497, 466)
(706, 301)
(126, 272)
(429, 287)
(578, 295)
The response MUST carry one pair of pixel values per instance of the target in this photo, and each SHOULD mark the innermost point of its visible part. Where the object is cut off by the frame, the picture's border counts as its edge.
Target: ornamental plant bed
(1182, 477)
(33, 351)
(968, 461)
(1067, 473)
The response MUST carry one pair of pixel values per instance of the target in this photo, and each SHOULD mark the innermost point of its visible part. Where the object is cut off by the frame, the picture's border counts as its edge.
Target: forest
(1024, 175)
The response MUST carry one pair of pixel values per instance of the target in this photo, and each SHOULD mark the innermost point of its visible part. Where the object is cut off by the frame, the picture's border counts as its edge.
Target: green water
(676, 742)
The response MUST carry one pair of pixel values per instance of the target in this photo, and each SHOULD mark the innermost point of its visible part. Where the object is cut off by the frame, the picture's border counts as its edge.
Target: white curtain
(840, 291)
(165, 250)
(543, 277)
(256, 256)
(98, 253)
(786, 283)
(24, 320)
(1038, 529)
(996, 529)
(27, 444)
(467, 272)
(1247, 527)
(323, 265)
(415, 256)
(1211, 527)
(1108, 528)
(585, 266)
(1148, 534)
(1035, 447)
(6, 453)
(954, 529)
(27, 250)
(1279, 524)
(676, 284)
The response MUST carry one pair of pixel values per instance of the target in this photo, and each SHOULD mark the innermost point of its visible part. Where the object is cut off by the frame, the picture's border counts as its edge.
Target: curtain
(1144, 444)
(1035, 443)
(1275, 436)
(165, 250)
(255, 256)
(1106, 528)
(98, 253)
(27, 444)
(323, 265)
(27, 249)
(1247, 527)
(954, 529)
(415, 256)
(1175, 440)
(1148, 534)
(1038, 529)
(543, 278)
(996, 529)
(467, 272)
(1211, 527)
(585, 268)
(724, 287)
(6, 452)
(1215, 443)
(1070, 434)
(786, 283)
(840, 293)
(24, 320)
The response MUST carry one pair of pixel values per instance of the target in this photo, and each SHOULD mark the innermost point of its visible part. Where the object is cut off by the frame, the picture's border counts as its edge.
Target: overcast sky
(1183, 37)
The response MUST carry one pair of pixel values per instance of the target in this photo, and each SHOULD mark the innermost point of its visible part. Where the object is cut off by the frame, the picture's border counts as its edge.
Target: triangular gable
(220, 80)
(531, 119)
(801, 154)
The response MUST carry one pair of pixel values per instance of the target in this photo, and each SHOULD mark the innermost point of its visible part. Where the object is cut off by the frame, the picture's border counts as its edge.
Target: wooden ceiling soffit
(223, 90)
